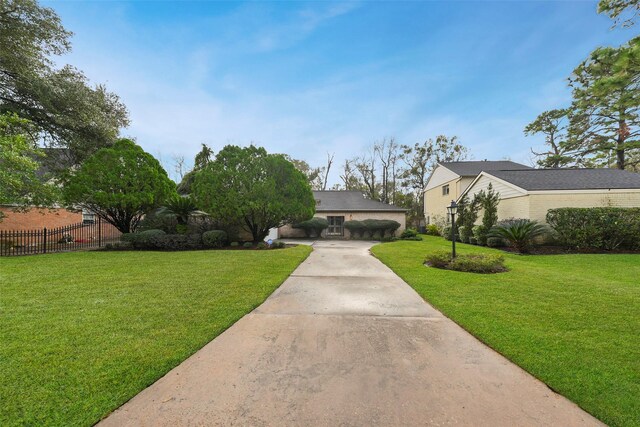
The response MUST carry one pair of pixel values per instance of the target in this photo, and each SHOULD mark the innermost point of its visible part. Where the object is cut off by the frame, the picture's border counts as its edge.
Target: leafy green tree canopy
(120, 184)
(63, 109)
(622, 11)
(20, 183)
(254, 189)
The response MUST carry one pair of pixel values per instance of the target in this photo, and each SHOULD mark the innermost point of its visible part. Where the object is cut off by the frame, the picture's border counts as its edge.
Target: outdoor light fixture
(452, 209)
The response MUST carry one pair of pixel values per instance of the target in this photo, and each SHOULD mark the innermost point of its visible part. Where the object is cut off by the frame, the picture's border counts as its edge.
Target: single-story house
(339, 206)
(530, 193)
(450, 179)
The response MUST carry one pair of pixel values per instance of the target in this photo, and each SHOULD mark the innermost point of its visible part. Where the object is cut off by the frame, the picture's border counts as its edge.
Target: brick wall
(35, 219)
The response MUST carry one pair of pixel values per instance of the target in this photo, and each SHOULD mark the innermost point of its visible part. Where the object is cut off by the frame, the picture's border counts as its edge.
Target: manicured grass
(572, 321)
(81, 333)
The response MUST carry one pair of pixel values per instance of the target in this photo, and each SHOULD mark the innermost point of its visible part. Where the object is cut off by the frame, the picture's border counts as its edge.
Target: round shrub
(464, 233)
(480, 233)
(356, 228)
(278, 245)
(247, 245)
(432, 230)
(473, 240)
(409, 232)
(214, 238)
(495, 242)
(234, 244)
(262, 245)
(469, 263)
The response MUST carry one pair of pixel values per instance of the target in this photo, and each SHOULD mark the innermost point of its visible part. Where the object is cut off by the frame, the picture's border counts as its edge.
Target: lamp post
(452, 209)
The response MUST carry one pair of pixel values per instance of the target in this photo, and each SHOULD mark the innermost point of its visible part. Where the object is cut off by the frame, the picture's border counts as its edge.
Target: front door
(335, 226)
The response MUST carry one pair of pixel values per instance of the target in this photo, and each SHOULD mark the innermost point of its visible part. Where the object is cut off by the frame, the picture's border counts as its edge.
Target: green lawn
(573, 321)
(81, 333)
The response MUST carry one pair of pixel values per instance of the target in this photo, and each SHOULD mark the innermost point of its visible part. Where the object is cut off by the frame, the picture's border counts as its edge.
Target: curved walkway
(345, 342)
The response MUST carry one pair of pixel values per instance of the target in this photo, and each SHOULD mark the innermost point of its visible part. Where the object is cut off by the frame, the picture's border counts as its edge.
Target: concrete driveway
(345, 342)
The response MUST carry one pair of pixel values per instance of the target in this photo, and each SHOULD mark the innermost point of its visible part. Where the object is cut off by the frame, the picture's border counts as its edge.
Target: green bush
(313, 226)
(247, 245)
(262, 245)
(176, 242)
(414, 238)
(159, 220)
(142, 240)
(495, 242)
(480, 233)
(278, 245)
(473, 240)
(432, 230)
(446, 232)
(356, 228)
(464, 234)
(234, 244)
(596, 228)
(470, 263)
(409, 232)
(214, 238)
(519, 233)
(388, 239)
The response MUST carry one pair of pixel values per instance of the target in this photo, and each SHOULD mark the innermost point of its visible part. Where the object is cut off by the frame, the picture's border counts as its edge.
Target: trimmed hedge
(312, 226)
(356, 228)
(596, 228)
(372, 227)
(214, 238)
(176, 242)
(142, 240)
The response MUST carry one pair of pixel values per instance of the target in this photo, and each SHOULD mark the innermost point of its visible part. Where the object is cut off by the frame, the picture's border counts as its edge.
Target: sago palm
(519, 233)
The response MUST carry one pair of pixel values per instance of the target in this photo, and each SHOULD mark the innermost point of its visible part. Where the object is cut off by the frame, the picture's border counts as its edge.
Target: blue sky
(304, 78)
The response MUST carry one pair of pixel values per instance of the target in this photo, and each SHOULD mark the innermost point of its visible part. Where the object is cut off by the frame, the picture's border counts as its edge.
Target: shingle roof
(349, 201)
(473, 168)
(569, 179)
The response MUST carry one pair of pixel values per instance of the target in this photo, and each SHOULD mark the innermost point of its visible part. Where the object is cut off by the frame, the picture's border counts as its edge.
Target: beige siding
(435, 204)
(541, 203)
(287, 231)
(440, 176)
(515, 207)
(505, 191)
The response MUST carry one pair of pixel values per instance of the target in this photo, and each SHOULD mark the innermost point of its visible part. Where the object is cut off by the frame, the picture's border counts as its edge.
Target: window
(445, 190)
(88, 217)
(335, 226)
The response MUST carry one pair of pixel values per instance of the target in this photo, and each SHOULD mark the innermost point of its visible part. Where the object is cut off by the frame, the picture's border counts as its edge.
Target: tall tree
(20, 183)
(447, 149)
(554, 125)
(606, 106)
(63, 109)
(388, 154)
(201, 161)
(324, 174)
(349, 177)
(120, 184)
(623, 12)
(256, 190)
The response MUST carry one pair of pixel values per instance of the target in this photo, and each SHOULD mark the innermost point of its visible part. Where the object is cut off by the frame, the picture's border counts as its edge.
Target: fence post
(99, 232)
(45, 240)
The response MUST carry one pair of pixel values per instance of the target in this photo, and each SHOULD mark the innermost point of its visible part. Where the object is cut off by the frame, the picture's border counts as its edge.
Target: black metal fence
(74, 237)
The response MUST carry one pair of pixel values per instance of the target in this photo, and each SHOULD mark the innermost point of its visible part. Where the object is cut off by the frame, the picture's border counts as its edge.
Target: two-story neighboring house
(450, 179)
